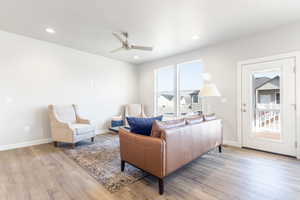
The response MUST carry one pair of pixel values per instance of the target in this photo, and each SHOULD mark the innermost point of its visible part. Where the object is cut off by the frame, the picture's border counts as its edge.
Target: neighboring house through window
(267, 89)
(177, 89)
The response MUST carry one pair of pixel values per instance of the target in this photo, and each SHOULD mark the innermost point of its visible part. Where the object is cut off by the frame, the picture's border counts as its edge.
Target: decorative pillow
(210, 117)
(158, 126)
(142, 126)
(194, 119)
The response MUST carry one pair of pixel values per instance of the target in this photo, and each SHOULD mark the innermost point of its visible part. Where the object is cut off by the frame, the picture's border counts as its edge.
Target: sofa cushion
(194, 119)
(81, 129)
(158, 126)
(210, 117)
(142, 126)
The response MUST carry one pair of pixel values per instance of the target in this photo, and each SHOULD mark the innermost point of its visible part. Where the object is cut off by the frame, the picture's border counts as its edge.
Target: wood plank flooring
(44, 172)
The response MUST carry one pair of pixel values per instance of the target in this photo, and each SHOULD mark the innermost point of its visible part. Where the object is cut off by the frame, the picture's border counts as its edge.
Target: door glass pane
(266, 105)
(190, 81)
(165, 97)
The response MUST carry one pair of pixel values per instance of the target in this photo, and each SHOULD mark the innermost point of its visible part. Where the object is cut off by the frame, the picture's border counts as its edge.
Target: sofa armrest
(144, 152)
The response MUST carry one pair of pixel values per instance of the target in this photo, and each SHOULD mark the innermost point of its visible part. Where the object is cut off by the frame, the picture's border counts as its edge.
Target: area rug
(101, 160)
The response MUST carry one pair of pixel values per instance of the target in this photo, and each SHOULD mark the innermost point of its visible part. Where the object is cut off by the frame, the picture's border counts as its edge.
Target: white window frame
(176, 88)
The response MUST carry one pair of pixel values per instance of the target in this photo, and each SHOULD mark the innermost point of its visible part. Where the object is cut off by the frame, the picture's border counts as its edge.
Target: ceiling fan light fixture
(123, 38)
(136, 57)
(50, 30)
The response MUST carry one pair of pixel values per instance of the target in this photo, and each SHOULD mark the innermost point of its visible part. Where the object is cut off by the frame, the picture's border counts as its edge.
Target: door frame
(296, 56)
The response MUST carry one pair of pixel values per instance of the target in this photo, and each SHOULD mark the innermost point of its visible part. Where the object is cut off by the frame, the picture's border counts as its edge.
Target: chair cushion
(82, 128)
(158, 126)
(142, 126)
(65, 113)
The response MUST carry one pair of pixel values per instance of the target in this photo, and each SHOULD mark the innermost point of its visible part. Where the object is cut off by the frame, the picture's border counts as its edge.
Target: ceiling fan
(123, 38)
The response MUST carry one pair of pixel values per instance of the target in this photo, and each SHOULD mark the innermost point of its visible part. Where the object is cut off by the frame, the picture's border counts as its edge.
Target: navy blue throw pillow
(142, 126)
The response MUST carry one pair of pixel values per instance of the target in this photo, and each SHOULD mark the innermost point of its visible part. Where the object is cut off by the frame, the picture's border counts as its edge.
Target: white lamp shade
(209, 90)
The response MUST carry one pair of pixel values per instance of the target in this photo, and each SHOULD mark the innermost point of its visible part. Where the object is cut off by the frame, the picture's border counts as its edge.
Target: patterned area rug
(102, 161)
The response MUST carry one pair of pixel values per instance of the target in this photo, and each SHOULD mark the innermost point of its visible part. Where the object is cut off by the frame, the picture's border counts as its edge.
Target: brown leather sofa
(170, 146)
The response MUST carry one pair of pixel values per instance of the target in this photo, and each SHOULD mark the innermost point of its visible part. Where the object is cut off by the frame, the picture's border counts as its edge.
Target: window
(165, 91)
(177, 89)
(190, 82)
(265, 99)
(277, 98)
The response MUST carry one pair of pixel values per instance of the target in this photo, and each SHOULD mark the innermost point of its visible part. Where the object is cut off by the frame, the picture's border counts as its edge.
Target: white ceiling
(168, 25)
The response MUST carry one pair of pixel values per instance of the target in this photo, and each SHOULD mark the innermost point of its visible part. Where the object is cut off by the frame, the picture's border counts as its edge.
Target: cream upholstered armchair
(134, 110)
(68, 126)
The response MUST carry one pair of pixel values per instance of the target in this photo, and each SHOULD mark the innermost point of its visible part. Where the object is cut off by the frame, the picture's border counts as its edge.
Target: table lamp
(209, 90)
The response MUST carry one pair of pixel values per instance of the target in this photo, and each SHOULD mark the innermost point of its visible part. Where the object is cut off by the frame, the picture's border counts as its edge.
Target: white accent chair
(67, 125)
(134, 110)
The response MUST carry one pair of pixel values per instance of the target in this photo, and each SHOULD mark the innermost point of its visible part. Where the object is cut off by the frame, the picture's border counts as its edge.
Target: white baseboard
(232, 143)
(25, 144)
(99, 131)
(37, 142)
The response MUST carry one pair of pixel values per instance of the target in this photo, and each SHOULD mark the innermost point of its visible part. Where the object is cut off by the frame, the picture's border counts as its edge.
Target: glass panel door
(266, 105)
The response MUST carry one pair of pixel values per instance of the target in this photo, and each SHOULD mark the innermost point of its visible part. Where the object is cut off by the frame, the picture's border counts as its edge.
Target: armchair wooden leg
(220, 148)
(160, 186)
(122, 165)
(93, 139)
(55, 144)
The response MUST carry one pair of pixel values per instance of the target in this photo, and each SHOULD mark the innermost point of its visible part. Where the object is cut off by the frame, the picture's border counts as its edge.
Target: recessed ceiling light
(50, 30)
(136, 57)
(195, 37)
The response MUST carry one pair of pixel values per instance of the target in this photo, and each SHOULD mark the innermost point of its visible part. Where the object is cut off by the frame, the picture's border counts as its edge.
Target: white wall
(221, 62)
(34, 74)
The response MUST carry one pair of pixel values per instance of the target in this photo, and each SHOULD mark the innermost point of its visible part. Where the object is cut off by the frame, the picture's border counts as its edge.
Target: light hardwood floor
(44, 172)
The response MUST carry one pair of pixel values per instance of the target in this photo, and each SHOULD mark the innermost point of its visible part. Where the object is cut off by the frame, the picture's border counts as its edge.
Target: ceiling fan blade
(144, 48)
(118, 37)
(116, 50)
